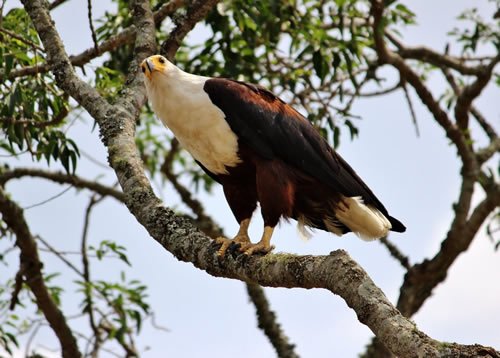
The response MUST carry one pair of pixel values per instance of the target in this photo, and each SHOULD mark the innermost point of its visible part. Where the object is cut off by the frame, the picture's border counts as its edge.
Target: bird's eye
(161, 60)
(143, 69)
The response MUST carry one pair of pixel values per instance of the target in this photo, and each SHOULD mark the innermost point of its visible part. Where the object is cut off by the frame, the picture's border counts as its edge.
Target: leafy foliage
(32, 109)
(480, 32)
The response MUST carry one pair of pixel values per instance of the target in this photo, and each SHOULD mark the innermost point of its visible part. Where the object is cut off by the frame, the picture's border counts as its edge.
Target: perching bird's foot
(240, 239)
(261, 247)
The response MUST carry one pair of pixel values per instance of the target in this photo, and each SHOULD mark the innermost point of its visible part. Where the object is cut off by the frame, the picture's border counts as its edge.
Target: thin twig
(20, 38)
(86, 276)
(412, 109)
(94, 160)
(61, 178)
(53, 250)
(396, 253)
(47, 200)
(31, 337)
(1, 11)
(56, 3)
(91, 25)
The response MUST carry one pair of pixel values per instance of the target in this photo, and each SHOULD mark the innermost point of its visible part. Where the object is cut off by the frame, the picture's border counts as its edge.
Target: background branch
(197, 11)
(61, 178)
(31, 268)
(267, 322)
(335, 272)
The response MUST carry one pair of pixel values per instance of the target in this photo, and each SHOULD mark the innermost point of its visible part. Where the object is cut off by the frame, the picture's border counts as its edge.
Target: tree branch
(31, 267)
(267, 322)
(204, 222)
(21, 38)
(91, 25)
(336, 272)
(386, 56)
(56, 3)
(422, 278)
(61, 178)
(488, 129)
(89, 302)
(396, 253)
(127, 36)
(487, 152)
(196, 12)
(266, 317)
(470, 92)
(430, 56)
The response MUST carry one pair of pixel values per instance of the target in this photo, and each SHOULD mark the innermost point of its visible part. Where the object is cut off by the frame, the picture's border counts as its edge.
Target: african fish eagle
(262, 150)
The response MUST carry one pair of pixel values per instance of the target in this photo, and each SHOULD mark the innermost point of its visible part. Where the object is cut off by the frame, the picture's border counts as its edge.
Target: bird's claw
(225, 243)
(260, 247)
(245, 246)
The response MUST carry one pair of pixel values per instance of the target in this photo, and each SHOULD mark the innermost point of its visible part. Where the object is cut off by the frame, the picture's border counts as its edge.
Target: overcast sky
(416, 178)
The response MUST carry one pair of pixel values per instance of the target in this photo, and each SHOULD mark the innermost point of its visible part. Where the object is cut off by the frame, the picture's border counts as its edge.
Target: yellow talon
(263, 246)
(240, 238)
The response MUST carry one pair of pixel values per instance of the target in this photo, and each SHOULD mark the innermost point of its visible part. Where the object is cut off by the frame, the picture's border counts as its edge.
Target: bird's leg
(240, 238)
(264, 245)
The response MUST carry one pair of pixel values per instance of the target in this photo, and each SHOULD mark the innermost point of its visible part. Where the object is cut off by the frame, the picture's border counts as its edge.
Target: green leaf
(9, 63)
(318, 64)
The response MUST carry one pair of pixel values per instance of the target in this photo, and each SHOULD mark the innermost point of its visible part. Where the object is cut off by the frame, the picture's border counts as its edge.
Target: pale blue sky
(416, 178)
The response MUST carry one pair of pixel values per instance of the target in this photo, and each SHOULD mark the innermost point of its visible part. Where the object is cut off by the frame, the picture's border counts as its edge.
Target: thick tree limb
(336, 272)
(31, 268)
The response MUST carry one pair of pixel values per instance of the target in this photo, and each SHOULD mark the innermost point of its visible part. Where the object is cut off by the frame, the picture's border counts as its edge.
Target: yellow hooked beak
(155, 63)
(147, 67)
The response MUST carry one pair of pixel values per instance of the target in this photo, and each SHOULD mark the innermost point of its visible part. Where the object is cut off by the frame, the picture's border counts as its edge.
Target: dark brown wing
(273, 130)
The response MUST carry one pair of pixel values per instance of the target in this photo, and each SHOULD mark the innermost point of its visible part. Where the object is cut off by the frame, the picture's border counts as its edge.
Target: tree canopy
(327, 59)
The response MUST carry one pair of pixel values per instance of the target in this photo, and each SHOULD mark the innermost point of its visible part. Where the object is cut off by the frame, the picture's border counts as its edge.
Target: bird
(262, 150)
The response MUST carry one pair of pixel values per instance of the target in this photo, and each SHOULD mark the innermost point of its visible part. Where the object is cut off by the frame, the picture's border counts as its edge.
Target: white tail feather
(304, 233)
(363, 220)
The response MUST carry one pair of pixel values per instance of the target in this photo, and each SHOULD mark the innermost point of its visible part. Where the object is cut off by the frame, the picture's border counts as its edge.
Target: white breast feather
(186, 109)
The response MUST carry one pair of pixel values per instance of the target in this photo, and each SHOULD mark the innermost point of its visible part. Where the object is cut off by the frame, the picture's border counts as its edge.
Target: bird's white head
(156, 65)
